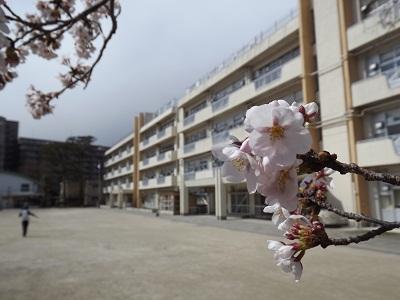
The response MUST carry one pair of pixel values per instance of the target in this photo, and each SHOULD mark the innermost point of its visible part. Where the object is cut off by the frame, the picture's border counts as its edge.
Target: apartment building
(118, 173)
(343, 54)
(8, 144)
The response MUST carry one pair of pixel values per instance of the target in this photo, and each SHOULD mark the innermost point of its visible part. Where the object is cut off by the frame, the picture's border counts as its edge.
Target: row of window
(276, 63)
(229, 89)
(194, 137)
(241, 82)
(236, 121)
(119, 181)
(196, 165)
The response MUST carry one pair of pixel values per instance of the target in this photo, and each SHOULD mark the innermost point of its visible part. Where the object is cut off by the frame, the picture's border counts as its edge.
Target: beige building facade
(118, 183)
(343, 54)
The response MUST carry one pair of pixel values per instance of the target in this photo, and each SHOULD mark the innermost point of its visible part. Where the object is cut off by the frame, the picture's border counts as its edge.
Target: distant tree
(41, 33)
(64, 162)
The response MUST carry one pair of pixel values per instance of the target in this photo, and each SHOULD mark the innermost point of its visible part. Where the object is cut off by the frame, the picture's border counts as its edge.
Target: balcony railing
(161, 156)
(189, 147)
(267, 78)
(199, 174)
(161, 133)
(220, 137)
(190, 175)
(161, 179)
(188, 120)
(220, 103)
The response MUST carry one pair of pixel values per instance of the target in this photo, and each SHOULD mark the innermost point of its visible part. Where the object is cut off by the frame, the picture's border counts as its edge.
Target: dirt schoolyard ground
(107, 254)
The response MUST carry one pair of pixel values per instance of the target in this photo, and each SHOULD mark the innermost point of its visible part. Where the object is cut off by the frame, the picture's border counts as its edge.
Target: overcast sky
(161, 47)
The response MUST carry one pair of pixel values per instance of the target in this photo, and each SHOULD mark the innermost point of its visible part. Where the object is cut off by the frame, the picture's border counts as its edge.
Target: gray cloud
(161, 47)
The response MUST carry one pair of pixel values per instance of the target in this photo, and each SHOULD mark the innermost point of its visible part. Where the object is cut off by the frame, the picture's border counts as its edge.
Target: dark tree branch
(349, 215)
(359, 238)
(314, 162)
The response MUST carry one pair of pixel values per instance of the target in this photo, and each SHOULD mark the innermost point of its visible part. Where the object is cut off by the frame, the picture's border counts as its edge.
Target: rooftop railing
(260, 38)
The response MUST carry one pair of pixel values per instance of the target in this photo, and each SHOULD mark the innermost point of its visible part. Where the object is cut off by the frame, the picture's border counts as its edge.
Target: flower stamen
(282, 179)
(240, 163)
(276, 132)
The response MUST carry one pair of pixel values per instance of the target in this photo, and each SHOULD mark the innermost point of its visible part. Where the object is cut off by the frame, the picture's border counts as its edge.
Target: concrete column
(247, 76)
(228, 200)
(220, 196)
(183, 190)
(252, 205)
(309, 82)
(136, 201)
(349, 73)
(157, 200)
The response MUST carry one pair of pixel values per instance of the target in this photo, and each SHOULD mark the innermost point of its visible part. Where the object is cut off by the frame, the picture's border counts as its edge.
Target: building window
(276, 63)
(387, 63)
(199, 135)
(370, 7)
(195, 108)
(386, 123)
(25, 187)
(229, 90)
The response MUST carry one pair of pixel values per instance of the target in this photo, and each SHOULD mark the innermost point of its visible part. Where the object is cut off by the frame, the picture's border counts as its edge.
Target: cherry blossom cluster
(267, 161)
(42, 34)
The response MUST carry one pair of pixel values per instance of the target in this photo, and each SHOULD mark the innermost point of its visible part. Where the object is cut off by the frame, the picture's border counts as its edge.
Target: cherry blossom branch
(42, 34)
(349, 215)
(75, 19)
(106, 41)
(313, 162)
(359, 238)
(326, 241)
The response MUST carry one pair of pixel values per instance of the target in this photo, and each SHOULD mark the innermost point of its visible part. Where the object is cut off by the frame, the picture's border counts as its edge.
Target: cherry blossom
(280, 214)
(285, 258)
(277, 132)
(278, 184)
(239, 164)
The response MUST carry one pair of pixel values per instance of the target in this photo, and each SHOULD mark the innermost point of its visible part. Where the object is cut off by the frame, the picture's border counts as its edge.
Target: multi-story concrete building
(157, 160)
(118, 173)
(358, 54)
(343, 54)
(8, 144)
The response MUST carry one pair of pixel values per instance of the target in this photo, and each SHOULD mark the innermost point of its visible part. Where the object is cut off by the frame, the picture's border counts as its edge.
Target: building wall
(118, 183)
(14, 186)
(338, 43)
(8, 145)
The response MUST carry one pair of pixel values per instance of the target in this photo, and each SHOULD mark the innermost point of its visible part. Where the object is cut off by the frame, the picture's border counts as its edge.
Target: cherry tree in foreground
(276, 161)
(41, 33)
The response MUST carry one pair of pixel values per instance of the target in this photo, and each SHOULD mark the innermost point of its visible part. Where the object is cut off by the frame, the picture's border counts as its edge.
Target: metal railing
(161, 133)
(260, 38)
(220, 103)
(161, 179)
(189, 147)
(220, 137)
(190, 175)
(388, 12)
(162, 109)
(268, 78)
(188, 120)
(161, 156)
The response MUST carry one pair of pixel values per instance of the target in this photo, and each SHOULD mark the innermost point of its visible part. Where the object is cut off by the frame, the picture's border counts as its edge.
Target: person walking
(24, 215)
